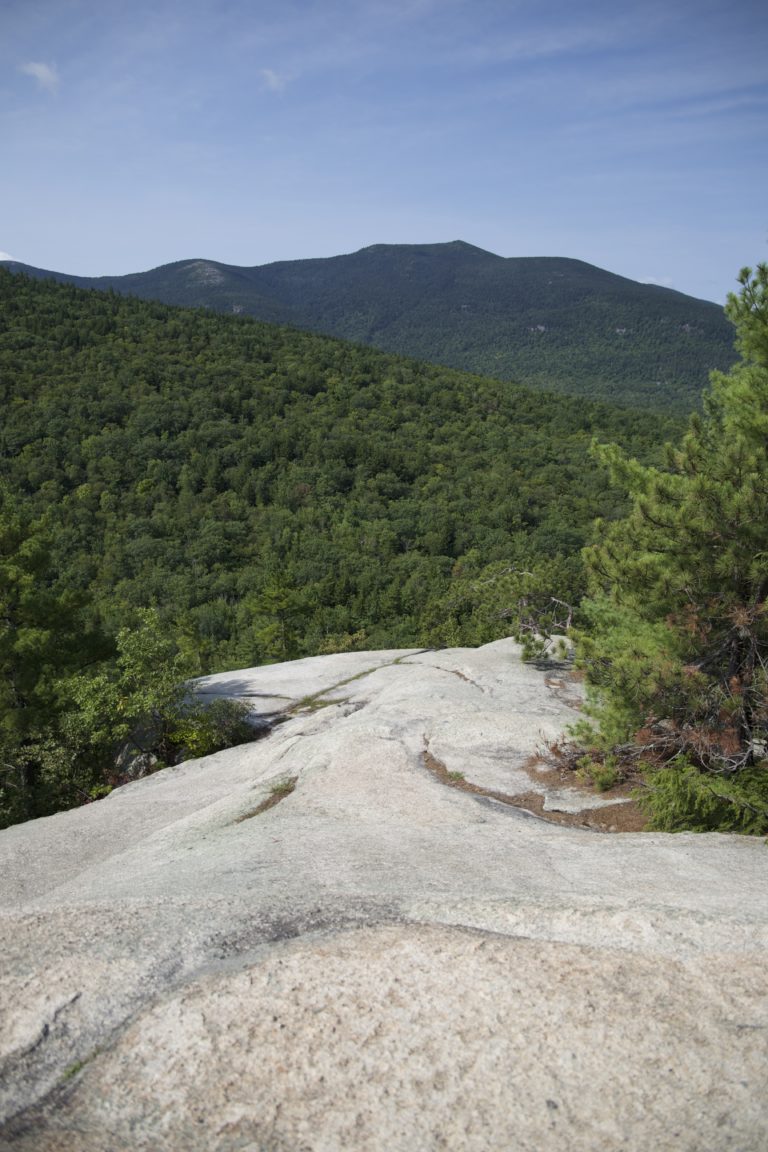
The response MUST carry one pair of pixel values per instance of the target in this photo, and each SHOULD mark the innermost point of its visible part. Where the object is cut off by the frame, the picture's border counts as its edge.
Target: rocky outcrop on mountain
(358, 932)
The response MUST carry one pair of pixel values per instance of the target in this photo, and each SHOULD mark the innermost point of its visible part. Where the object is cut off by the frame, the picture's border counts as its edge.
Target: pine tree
(676, 646)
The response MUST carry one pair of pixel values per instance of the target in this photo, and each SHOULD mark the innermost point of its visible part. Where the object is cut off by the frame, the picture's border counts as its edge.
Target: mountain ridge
(437, 248)
(550, 322)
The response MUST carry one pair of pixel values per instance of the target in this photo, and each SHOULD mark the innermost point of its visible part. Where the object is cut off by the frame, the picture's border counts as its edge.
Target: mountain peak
(443, 248)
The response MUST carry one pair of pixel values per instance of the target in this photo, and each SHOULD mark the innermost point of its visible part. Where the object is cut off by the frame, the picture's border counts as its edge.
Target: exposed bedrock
(316, 942)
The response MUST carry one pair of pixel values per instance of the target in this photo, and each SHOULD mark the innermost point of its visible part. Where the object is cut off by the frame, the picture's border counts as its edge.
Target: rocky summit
(367, 930)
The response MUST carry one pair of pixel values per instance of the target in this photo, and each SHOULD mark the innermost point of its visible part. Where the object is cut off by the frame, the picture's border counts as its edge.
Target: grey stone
(378, 960)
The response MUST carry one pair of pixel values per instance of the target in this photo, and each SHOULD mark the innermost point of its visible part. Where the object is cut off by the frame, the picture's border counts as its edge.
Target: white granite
(378, 961)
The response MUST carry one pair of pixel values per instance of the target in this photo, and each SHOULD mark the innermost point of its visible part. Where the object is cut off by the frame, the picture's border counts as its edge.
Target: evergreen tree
(676, 645)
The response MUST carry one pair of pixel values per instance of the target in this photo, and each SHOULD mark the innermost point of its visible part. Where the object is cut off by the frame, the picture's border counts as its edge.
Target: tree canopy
(272, 493)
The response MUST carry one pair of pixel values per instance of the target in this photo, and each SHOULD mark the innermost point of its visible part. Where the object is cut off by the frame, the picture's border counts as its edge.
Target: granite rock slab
(312, 942)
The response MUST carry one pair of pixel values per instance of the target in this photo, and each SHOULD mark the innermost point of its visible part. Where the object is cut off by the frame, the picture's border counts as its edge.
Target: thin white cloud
(544, 43)
(274, 81)
(46, 76)
(6, 256)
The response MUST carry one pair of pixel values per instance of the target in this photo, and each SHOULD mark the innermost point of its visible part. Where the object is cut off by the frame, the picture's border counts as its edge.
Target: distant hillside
(548, 322)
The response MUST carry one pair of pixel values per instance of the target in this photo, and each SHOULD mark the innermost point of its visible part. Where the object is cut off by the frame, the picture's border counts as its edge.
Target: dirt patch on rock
(625, 815)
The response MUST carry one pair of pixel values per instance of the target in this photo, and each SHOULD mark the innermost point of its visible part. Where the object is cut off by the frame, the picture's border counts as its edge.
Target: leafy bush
(201, 729)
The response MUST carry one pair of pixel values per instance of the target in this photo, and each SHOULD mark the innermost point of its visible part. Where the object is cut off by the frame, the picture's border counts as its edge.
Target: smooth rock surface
(378, 960)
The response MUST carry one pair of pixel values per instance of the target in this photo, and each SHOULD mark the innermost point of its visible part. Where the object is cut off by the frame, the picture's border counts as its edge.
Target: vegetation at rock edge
(674, 631)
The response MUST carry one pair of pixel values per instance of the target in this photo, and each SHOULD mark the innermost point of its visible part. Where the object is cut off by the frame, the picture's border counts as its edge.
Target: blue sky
(631, 135)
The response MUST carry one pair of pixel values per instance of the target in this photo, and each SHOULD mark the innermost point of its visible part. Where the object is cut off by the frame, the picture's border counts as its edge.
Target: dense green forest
(235, 493)
(548, 322)
(239, 475)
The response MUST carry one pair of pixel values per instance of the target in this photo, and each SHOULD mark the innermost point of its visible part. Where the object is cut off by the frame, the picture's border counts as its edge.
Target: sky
(630, 135)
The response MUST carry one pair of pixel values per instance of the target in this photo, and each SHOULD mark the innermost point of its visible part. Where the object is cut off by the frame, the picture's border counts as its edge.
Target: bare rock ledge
(314, 943)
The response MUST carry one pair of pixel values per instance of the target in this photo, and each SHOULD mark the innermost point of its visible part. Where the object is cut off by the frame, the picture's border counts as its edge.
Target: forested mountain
(277, 493)
(548, 322)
